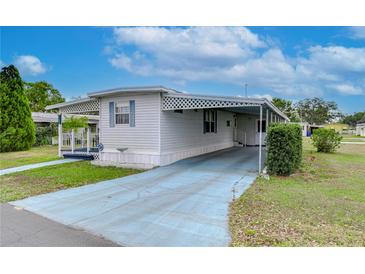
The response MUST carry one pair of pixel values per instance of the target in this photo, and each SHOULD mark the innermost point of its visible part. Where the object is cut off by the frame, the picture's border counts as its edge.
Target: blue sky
(287, 62)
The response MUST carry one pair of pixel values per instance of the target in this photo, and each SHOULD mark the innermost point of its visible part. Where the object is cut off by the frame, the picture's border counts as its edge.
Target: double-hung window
(210, 121)
(121, 113)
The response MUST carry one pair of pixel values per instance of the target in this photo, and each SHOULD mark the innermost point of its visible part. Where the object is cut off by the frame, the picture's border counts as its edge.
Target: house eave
(128, 90)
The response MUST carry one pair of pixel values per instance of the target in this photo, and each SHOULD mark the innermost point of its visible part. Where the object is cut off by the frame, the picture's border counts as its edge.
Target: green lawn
(352, 136)
(353, 139)
(32, 156)
(52, 178)
(321, 205)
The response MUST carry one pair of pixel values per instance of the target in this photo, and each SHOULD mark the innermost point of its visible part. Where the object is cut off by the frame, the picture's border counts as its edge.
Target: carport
(263, 109)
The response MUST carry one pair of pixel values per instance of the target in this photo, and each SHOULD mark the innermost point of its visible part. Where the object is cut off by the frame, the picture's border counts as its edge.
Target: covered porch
(80, 142)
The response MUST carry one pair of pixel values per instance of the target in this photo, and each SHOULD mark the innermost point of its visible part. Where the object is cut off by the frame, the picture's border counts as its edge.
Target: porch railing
(79, 140)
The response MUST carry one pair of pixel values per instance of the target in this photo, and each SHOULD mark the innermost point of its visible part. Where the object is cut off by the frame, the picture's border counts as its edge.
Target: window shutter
(132, 113)
(215, 121)
(111, 114)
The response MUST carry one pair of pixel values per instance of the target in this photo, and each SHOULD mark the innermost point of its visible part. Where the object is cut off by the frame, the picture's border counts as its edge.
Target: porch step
(78, 156)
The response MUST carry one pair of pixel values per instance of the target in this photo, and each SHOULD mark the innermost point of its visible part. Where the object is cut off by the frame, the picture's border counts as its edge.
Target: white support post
(72, 140)
(267, 119)
(60, 135)
(270, 116)
(260, 141)
(88, 140)
(82, 138)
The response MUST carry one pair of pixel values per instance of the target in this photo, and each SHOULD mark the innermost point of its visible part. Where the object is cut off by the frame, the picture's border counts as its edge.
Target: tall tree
(41, 94)
(317, 111)
(286, 106)
(352, 120)
(17, 131)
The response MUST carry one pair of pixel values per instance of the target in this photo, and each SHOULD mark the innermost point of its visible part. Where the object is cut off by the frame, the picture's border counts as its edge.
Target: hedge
(284, 148)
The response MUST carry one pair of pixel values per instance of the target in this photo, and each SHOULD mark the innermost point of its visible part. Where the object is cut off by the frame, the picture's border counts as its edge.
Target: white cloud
(267, 96)
(29, 64)
(236, 55)
(175, 50)
(357, 32)
(2, 64)
(348, 89)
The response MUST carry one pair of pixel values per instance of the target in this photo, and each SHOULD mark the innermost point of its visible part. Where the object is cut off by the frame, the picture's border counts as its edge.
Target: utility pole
(246, 89)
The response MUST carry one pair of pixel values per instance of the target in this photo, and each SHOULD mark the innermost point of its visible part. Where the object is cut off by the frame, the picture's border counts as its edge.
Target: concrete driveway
(183, 204)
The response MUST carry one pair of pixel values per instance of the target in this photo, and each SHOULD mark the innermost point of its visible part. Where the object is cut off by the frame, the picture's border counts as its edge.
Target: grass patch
(52, 178)
(352, 136)
(353, 139)
(321, 205)
(32, 156)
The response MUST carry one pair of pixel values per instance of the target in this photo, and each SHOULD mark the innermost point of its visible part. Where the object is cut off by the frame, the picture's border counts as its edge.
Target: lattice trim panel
(173, 102)
(89, 106)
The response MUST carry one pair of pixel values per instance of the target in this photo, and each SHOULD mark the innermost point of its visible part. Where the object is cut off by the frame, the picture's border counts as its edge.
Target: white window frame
(120, 106)
(210, 119)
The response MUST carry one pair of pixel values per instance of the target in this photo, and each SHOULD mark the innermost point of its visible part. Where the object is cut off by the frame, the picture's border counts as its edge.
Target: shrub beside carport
(284, 148)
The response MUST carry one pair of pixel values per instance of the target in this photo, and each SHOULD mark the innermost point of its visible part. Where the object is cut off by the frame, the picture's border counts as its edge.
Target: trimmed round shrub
(326, 140)
(284, 148)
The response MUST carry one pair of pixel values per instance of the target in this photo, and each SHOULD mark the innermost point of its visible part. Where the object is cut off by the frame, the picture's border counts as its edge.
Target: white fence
(79, 140)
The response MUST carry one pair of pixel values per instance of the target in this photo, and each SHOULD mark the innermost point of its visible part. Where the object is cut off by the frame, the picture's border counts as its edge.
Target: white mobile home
(156, 126)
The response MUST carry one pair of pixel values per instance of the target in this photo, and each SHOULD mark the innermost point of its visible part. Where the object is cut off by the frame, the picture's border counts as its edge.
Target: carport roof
(180, 101)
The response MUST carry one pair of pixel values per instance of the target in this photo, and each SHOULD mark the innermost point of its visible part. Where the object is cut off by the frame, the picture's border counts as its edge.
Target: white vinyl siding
(144, 136)
(185, 132)
(246, 129)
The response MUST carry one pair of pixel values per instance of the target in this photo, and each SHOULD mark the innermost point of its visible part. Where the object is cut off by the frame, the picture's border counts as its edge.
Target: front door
(263, 141)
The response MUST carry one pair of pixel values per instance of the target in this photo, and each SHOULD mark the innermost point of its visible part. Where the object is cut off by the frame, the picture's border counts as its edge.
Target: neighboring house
(360, 127)
(42, 119)
(156, 126)
(307, 129)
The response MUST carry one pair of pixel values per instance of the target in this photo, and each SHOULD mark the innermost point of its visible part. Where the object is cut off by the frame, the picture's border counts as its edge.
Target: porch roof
(83, 105)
